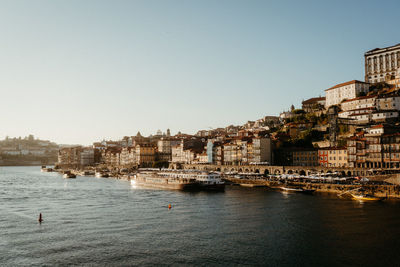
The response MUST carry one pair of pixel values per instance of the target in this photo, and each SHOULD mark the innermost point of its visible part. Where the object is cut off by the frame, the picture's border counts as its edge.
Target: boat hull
(212, 187)
(366, 198)
(297, 190)
(69, 176)
(154, 181)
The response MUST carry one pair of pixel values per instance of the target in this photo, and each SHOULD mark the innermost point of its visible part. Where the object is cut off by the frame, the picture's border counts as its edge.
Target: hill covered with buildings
(354, 125)
(27, 151)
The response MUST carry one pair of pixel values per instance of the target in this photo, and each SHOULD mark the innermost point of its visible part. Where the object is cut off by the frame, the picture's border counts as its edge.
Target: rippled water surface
(105, 222)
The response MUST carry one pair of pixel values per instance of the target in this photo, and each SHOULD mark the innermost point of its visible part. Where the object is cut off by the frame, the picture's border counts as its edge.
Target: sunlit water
(105, 222)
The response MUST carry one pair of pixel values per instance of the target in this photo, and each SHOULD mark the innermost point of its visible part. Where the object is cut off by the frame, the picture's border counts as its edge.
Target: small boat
(69, 175)
(101, 175)
(366, 197)
(45, 169)
(297, 190)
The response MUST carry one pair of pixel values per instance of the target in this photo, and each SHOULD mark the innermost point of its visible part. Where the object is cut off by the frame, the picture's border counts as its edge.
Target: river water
(105, 222)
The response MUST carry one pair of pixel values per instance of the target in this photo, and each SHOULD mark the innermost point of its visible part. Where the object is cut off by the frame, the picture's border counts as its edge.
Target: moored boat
(45, 169)
(297, 190)
(159, 180)
(101, 174)
(209, 181)
(366, 197)
(68, 175)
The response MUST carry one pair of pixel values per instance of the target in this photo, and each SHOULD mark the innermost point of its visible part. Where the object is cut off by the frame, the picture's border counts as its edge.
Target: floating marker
(169, 206)
(40, 218)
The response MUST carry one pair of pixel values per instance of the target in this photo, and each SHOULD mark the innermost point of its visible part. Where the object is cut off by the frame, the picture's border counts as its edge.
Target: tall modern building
(382, 64)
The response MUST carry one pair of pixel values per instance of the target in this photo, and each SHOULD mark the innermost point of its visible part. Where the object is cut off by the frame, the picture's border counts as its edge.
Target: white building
(384, 115)
(87, 156)
(388, 102)
(348, 90)
(382, 63)
(358, 103)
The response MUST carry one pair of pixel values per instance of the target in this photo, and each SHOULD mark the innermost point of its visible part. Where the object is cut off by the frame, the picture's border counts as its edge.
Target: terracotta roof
(344, 84)
(313, 100)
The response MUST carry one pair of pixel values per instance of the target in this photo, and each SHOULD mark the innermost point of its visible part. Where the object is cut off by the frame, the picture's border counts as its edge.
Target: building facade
(382, 64)
(305, 157)
(348, 90)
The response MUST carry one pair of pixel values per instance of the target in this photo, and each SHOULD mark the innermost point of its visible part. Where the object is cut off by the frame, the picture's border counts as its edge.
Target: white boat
(162, 181)
(209, 181)
(198, 180)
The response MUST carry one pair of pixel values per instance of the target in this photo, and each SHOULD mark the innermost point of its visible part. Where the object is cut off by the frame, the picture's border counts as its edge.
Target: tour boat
(209, 181)
(366, 197)
(163, 181)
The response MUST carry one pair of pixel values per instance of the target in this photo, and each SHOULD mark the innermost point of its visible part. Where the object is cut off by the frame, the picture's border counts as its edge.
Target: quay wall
(266, 170)
(389, 191)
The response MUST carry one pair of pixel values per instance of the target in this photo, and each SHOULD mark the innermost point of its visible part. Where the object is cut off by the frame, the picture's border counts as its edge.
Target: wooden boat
(366, 197)
(297, 190)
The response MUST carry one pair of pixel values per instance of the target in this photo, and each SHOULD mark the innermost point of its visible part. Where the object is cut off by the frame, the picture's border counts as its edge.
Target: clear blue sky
(78, 71)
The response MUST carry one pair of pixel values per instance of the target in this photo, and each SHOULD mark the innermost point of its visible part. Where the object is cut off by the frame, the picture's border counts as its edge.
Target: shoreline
(388, 191)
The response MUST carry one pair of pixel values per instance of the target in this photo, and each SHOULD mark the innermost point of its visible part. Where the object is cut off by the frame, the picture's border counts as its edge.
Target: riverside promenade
(300, 170)
(387, 190)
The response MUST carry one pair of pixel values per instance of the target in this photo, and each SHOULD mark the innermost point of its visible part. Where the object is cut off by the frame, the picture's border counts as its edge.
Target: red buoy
(169, 206)
(40, 218)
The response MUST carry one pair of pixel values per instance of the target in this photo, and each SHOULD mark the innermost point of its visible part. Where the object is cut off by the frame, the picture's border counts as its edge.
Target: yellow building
(145, 155)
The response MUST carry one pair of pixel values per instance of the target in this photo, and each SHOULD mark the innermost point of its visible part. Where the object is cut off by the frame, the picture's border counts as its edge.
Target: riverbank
(380, 190)
(387, 191)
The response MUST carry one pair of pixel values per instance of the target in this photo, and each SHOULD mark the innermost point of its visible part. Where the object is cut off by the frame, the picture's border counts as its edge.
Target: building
(177, 154)
(323, 157)
(111, 156)
(69, 156)
(145, 155)
(305, 157)
(385, 115)
(76, 156)
(128, 156)
(333, 157)
(164, 148)
(260, 150)
(382, 64)
(358, 103)
(388, 102)
(87, 156)
(348, 90)
(376, 147)
(313, 104)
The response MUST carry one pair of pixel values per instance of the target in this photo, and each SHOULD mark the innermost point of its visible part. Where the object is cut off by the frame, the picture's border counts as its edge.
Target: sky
(79, 71)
